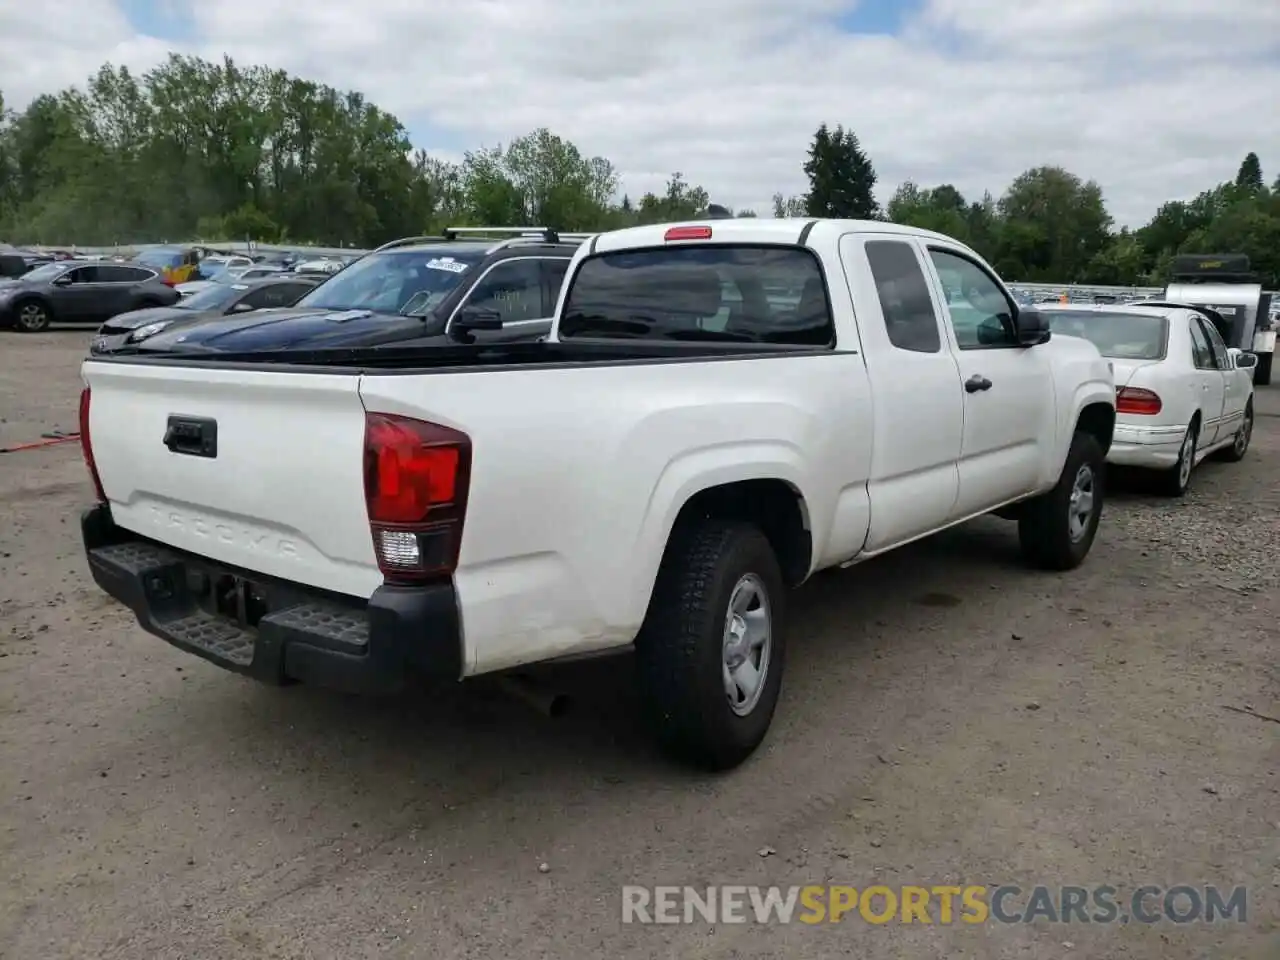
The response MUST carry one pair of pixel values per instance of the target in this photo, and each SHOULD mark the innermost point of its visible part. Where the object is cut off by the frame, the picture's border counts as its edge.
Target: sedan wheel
(32, 318)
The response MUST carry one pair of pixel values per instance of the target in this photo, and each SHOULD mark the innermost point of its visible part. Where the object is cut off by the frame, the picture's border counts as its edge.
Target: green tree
(785, 207)
(841, 178)
(1249, 178)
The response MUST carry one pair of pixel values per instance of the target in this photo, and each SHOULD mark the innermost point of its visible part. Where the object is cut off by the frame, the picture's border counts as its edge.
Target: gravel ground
(948, 717)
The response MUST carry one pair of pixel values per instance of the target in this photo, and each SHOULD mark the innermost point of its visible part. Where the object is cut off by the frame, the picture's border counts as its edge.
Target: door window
(1201, 352)
(122, 274)
(981, 314)
(909, 318)
(1220, 357)
(512, 289)
(83, 275)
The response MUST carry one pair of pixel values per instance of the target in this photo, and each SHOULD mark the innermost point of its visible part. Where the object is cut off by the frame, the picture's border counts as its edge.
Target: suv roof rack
(509, 236)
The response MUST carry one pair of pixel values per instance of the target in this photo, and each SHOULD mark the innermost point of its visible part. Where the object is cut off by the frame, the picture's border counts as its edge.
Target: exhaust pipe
(548, 702)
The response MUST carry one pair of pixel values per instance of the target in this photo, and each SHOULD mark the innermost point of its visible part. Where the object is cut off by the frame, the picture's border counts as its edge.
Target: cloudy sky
(1154, 99)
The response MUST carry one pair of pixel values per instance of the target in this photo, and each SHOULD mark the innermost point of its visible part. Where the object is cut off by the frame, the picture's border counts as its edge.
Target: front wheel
(1057, 529)
(711, 651)
(32, 316)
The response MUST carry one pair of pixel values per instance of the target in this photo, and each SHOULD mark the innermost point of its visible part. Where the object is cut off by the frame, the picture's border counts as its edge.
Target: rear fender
(688, 475)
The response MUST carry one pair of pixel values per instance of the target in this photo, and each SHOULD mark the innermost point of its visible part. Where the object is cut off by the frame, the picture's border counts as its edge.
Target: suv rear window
(735, 293)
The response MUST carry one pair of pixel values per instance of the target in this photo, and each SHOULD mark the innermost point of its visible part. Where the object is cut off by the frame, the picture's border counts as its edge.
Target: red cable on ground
(67, 438)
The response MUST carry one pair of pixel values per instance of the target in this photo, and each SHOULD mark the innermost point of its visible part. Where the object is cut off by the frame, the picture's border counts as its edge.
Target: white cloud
(1154, 100)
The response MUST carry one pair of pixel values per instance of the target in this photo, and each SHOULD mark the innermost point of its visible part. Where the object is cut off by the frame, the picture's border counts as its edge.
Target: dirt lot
(948, 718)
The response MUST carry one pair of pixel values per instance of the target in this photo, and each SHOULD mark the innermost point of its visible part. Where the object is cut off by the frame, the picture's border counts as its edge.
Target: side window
(1215, 344)
(1201, 352)
(908, 312)
(86, 275)
(290, 293)
(258, 298)
(123, 274)
(981, 314)
(554, 271)
(512, 289)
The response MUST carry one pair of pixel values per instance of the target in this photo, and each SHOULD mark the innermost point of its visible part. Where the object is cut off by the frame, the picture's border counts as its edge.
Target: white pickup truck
(722, 409)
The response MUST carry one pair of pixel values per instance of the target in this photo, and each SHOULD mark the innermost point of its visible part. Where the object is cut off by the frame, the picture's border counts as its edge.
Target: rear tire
(1057, 529)
(31, 316)
(695, 647)
(1175, 481)
(1240, 445)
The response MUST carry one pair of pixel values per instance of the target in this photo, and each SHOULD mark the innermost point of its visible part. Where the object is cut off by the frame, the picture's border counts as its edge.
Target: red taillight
(86, 446)
(416, 476)
(1137, 400)
(688, 233)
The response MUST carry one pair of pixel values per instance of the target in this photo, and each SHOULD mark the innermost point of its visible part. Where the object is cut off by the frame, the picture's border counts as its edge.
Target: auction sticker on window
(447, 263)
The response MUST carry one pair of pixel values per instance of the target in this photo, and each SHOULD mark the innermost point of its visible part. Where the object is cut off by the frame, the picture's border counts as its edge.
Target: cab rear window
(727, 292)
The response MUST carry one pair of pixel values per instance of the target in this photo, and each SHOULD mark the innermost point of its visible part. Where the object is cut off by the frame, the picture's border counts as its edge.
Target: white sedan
(1181, 394)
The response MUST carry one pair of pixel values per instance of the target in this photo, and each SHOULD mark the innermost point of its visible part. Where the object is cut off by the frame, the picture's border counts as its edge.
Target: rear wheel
(1240, 445)
(1175, 481)
(1056, 529)
(32, 316)
(711, 651)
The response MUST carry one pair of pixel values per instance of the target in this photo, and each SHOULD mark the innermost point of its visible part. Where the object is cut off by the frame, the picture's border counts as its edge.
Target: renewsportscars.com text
(940, 904)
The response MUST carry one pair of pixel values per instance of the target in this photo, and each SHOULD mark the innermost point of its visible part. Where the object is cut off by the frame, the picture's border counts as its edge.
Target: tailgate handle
(193, 436)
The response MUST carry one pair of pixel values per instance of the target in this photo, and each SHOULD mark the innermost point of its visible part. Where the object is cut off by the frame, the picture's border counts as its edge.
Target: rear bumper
(298, 633)
(1151, 448)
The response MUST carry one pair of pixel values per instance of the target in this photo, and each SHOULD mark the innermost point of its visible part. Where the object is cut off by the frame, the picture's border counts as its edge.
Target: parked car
(12, 265)
(434, 291)
(322, 265)
(217, 300)
(69, 291)
(710, 422)
(174, 264)
(212, 267)
(255, 272)
(1181, 394)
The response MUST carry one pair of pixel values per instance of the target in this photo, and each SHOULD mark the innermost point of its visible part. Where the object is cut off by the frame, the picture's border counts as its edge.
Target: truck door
(1007, 390)
(915, 386)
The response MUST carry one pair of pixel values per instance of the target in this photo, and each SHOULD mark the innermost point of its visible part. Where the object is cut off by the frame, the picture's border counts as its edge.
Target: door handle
(976, 382)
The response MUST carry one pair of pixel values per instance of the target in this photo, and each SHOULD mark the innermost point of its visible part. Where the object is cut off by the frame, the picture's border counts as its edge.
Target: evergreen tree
(841, 178)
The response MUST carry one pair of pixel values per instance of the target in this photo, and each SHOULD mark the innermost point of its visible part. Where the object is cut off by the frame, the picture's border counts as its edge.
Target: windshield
(213, 297)
(1121, 336)
(409, 281)
(48, 272)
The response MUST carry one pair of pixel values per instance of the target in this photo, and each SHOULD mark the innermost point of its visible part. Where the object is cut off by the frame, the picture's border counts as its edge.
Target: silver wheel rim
(1244, 433)
(748, 644)
(1186, 458)
(31, 317)
(1080, 508)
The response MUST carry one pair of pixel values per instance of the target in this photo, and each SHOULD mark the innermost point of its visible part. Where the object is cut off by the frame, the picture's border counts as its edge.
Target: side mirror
(243, 307)
(1243, 359)
(477, 318)
(1032, 327)
(63, 281)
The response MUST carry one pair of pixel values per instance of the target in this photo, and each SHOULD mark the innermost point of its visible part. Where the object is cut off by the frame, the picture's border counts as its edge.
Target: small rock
(1210, 789)
(875, 843)
(544, 868)
(1033, 705)
(1015, 636)
(766, 851)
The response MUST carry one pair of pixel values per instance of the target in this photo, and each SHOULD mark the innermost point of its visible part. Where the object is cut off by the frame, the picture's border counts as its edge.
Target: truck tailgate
(282, 493)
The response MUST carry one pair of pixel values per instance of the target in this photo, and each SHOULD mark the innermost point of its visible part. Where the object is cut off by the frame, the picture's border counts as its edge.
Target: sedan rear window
(727, 292)
(1119, 335)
